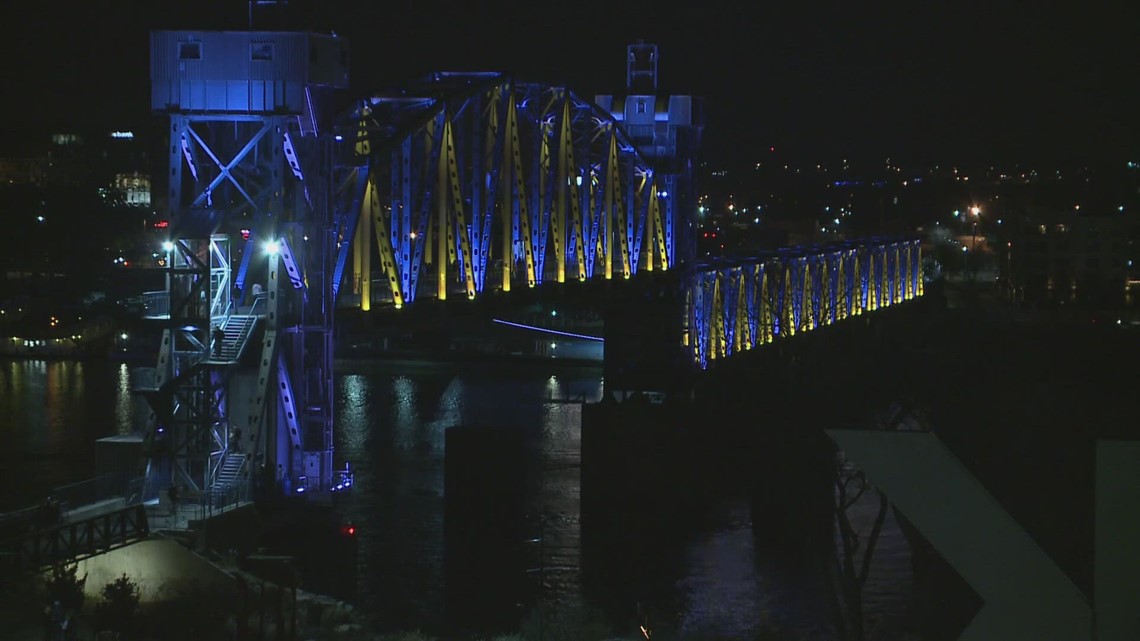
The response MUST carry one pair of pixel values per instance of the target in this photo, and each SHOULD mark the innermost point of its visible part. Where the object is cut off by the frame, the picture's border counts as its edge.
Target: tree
(65, 585)
(851, 564)
(850, 570)
(116, 611)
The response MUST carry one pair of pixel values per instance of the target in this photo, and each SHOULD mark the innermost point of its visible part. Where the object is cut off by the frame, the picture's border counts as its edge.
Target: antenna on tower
(641, 68)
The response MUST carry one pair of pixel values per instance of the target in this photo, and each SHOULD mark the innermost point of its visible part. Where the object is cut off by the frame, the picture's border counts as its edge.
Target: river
(391, 420)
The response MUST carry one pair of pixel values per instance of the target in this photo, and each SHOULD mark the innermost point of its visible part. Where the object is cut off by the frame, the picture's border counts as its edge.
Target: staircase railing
(156, 304)
(120, 485)
(250, 323)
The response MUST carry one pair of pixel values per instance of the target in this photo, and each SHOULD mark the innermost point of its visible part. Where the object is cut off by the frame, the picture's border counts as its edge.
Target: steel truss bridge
(496, 183)
(741, 304)
(285, 204)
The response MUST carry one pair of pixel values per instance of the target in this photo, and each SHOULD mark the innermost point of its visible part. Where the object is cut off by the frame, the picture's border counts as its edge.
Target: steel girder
(263, 173)
(494, 184)
(187, 428)
(735, 305)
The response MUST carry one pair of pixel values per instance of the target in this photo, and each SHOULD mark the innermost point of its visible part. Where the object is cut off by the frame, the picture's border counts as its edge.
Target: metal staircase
(228, 480)
(237, 329)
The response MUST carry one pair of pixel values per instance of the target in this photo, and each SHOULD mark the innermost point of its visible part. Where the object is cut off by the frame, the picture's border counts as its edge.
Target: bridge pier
(748, 427)
(487, 535)
(638, 490)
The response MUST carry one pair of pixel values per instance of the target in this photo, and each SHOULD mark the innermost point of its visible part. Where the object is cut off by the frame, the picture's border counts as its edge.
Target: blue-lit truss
(494, 184)
(734, 305)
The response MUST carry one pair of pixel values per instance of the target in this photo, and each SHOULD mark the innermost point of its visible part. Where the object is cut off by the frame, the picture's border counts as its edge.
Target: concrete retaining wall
(157, 565)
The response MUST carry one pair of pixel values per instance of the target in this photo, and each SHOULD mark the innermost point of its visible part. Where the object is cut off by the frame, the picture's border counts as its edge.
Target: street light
(976, 211)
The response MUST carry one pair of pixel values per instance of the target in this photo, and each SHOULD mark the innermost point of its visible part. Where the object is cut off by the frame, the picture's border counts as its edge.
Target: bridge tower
(242, 395)
(666, 129)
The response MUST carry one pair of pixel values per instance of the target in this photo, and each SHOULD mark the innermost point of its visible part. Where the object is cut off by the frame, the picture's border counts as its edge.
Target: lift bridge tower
(242, 392)
(667, 130)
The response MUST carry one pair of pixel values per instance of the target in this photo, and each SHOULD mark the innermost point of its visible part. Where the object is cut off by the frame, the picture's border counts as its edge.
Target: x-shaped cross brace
(225, 169)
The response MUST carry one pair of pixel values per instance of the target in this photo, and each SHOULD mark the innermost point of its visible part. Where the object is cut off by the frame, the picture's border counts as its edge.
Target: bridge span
(287, 201)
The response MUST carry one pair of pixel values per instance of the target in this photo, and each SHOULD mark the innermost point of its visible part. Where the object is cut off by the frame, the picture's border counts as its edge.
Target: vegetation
(192, 611)
(116, 612)
(186, 611)
(66, 586)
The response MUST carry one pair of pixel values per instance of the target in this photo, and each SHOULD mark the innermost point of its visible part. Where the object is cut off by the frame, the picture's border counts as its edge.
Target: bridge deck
(74, 539)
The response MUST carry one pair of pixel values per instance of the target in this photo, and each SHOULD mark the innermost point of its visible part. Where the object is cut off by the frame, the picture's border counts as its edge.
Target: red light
(245, 234)
(349, 530)
(162, 224)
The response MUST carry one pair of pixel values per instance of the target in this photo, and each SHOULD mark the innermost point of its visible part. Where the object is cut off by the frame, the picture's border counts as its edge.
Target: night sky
(953, 82)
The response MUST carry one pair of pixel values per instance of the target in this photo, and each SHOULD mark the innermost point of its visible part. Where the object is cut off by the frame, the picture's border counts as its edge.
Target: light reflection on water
(51, 413)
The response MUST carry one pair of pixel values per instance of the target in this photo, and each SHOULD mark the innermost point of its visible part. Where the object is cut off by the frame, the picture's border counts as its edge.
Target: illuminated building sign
(123, 135)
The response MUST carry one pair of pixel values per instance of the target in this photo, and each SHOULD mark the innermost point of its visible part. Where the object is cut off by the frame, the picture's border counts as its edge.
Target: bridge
(78, 521)
(286, 202)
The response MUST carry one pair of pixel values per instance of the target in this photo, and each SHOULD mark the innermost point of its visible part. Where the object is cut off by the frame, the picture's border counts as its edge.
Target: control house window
(640, 106)
(189, 50)
(261, 51)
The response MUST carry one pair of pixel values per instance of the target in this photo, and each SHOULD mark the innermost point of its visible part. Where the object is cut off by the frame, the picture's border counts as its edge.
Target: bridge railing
(41, 547)
(156, 304)
(124, 487)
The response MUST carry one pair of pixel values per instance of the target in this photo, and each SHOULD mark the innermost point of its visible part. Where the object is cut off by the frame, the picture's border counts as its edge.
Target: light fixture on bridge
(167, 246)
(272, 247)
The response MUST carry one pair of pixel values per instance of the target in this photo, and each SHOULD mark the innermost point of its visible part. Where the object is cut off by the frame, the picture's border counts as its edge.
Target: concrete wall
(157, 565)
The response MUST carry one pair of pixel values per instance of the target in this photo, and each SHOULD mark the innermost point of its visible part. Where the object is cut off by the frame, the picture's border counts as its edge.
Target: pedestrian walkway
(162, 517)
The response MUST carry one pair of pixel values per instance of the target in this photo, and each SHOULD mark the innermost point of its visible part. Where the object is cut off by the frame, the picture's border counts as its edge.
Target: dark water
(1020, 402)
(713, 577)
(51, 413)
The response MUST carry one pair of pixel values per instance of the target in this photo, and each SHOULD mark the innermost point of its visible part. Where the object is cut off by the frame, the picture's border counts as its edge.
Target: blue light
(339, 137)
(549, 331)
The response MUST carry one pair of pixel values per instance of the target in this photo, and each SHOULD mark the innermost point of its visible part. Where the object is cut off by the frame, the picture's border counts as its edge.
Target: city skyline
(955, 84)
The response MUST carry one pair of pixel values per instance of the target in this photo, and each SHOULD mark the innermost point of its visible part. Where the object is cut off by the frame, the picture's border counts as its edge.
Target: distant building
(1071, 259)
(111, 161)
(66, 163)
(135, 187)
(21, 171)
